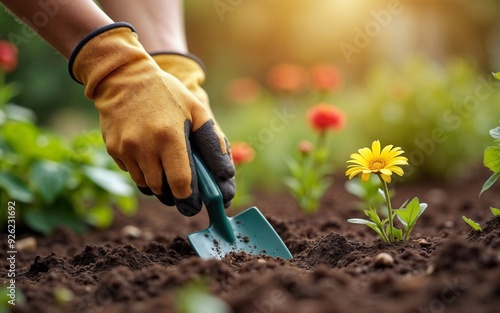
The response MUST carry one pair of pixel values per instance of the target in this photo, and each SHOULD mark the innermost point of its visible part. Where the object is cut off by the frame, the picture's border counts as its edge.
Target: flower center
(376, 165)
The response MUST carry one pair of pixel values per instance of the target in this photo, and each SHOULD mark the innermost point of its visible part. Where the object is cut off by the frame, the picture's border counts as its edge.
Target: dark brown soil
(445, 267)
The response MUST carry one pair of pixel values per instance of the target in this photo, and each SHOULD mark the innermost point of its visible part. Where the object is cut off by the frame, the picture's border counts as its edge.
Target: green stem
(389, 208)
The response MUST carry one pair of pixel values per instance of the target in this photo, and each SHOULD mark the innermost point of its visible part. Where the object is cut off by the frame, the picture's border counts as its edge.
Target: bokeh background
(416, 74)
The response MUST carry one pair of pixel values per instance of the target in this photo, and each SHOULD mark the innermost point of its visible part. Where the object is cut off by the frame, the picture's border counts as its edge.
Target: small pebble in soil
(383, 260)
(261, 261)
(131, 231)
(422, 242)
(449, 224)
(148, 235)
(26, 244)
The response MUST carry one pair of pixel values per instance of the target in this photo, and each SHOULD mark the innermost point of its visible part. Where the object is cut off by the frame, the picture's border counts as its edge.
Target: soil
(445, 267)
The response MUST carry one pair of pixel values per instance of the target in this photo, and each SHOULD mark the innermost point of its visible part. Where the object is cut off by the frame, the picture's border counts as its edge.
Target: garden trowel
(248, 231)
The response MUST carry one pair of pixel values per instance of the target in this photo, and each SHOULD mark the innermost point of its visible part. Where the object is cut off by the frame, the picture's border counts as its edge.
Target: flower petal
(376, 148)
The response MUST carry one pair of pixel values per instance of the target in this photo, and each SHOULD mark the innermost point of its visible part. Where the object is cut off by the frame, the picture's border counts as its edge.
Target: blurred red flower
(323, 116)
(305, 146)
(242, 90)
(287, 77)
(8, 56)
(325, 77)
(241, 152)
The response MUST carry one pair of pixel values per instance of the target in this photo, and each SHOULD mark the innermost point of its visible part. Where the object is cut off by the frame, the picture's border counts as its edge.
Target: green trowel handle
(212, 197)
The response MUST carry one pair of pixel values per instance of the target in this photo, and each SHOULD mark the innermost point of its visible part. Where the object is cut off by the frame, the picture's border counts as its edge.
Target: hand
(149, 119)
(190, 71)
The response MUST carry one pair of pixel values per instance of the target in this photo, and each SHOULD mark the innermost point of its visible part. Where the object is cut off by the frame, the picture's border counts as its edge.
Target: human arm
(148, 118)
(159, 23)
(64, 25)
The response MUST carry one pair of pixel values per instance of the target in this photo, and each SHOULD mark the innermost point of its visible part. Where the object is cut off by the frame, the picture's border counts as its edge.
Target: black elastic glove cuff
(187, 55)
(89, 37)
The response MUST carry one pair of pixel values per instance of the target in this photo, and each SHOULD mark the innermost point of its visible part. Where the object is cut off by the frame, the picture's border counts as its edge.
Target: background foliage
(413, 76)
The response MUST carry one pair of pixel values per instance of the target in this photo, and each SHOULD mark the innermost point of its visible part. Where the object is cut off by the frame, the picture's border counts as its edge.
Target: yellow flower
(383, 163)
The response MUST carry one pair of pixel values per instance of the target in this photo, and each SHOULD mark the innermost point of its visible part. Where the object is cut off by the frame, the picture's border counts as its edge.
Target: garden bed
(444, 267)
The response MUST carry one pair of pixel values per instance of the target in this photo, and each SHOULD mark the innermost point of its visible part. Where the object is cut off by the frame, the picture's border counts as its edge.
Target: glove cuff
(102, 52)
(159, 55)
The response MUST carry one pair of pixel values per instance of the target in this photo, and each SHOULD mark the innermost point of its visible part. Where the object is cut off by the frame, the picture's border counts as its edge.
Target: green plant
(384, 163)
(194, 297)
(368, 193)
(54, 182)
(10, 296)
(475, 225)
(308, 179)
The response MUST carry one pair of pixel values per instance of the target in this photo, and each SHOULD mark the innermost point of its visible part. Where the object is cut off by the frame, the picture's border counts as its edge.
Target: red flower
(241, 152)
(322, 117)
(8, 56)
(325, 77)
(287, 77)
(242, 90)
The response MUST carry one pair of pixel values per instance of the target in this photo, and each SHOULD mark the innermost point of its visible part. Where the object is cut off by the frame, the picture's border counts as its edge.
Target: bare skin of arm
(159, 23)
(64, 25)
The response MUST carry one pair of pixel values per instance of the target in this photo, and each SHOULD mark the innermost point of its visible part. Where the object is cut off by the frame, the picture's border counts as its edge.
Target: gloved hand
(149, 119)
(191, 73)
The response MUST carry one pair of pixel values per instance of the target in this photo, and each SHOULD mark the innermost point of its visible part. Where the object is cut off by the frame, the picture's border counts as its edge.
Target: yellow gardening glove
(149, 119)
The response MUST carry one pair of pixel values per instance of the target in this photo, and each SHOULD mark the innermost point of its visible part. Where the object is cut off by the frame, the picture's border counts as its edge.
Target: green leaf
(492, 159)
(372, 225)
(495, 211)
(47, 220)
(489, 182)
(397, 233)
(495, 133)
(100, 216)
(472, 224)
(293, 184)
(382, 194)
(49, 178)
(128, 205)
(194, 297)
(294, 167)
(16, 188)
(109, 180)
(19, 113)
(355, 188)
(496, 75)
(409, 215)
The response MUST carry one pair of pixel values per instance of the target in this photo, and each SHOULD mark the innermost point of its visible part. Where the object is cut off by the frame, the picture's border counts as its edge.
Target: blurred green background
(416, 74)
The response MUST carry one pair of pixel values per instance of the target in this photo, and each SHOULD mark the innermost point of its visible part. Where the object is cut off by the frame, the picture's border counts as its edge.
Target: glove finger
(181, 176)
(228, 190)
(166, 197)
(145, 190)
(218, 161)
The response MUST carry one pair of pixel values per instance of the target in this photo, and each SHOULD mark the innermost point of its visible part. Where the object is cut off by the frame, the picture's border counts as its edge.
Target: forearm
(159, 23)
(62, 25)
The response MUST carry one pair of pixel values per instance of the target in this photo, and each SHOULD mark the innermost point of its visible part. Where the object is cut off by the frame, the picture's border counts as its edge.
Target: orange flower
(286, 77)
(8, 56)
(241, 152)
(325, 77)
(323, 116)
(242, 90)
